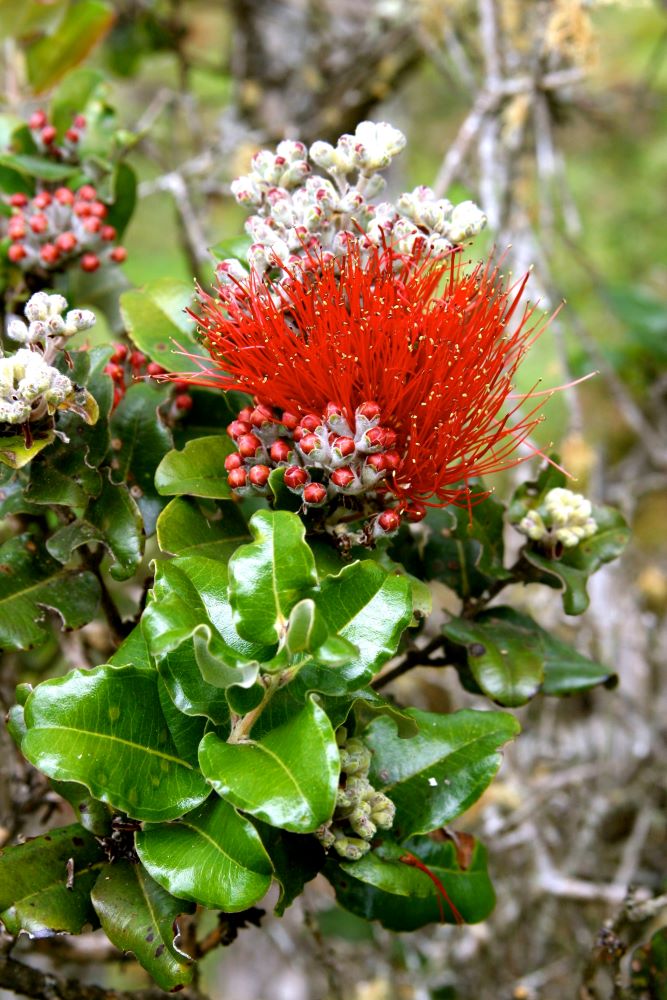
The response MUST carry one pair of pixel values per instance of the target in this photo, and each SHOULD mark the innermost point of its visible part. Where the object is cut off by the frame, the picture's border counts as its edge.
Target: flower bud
(261, 415)
(37, 120)
(90, 262)
(414, 512)
(87, 192)
(233, 461)
(66, 242)
(314, 494)
(183, 402)
(310, 422)
(16, 252)
(351, 848)
(18, 200)
(237, 478)
(64, 196)
(238, 428)
(48, 134)
(289, 421)
(259, 475)
(370, 410)
(39, 223)
(280, 450)
(295, 477)
(343, 478)
(389, 521)
(249, 445)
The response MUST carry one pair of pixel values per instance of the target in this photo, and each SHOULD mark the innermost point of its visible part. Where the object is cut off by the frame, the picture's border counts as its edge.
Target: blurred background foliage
(552, 115)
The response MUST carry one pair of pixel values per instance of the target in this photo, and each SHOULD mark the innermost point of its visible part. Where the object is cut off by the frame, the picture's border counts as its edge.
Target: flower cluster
(53, 230)
(30, 387)
(360, 810)
(370, 381)
(563, 517)
(299, 214)
(126, 367)
(44, 135)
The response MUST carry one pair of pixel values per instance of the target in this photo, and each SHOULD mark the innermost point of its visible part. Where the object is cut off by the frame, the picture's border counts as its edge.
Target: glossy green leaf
(137, 915)
(132, 650)
(105, 729)
(37, 166)
(139, 441)
(72, 95)
(156, 320)
(306, 629)
(511, 657)
(212, 856)
(112, 519)
(369, 608)
(438, 774)
(16, 454)
(188, 690)
(85, 23)
(183, 528)
(198, 470)
(570, 573)
(124, 194)
(31, 582)
(296, 860)
(367, 705)
(268, 577)
(288, 777)
(63, 479)
(404, 898)
(93, 816)
(33, 883)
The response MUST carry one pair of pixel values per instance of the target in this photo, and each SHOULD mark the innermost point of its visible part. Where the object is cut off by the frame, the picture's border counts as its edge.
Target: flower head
(363, 357)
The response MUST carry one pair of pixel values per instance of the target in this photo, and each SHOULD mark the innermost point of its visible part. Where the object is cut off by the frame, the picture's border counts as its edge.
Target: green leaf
(288, 777)
(438, 774)
(124, 195)
(156, 321)
(105, 729)
(234, 246)
(296, 860)
(36, 166)
(369, 608)
(184, 529)
(188, 690)
(60, 477)
(112, 519)
(198, 470)
(570, 573)
(213, 857)
(15, 453)
(137, 915)
(649, 968)
(140, 441)
(34, 897)
(72, 96)
(85, 23)
(283, 498)
(268, 577)
(31, 582)
(511, 657)
(132, 650)
(366, 705)
(404, 898)
(93, 816)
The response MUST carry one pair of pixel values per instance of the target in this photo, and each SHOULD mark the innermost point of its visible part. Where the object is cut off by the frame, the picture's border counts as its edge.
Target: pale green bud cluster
(30, 387)
(299, 214)
(360, 810)
(563, 516)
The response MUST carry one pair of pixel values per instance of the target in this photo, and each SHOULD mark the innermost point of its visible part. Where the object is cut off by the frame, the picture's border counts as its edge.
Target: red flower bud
(309, 443)
(64, 196)
(259, 475)
(92, 225)
(280, 450)
(299, 433)
(310, 422)
(87, 192)
(42, 200)
(16, 252)
(314, 493)
(245, 414)
(90, 262)
(344, 446)
(72, 135)
(98, 209)
(118, 254)
(16, 228)
(48, 134)
(233, 461)
(66, 242)
(137, 359)
(343, 477)
(115, 371)
(82, 209)
(389, 520)
(37, 120)
(153, 368)
(370, 410)
(414, 512)
(79, 121)
(49, 253)
(332, 410)
(289, 420)
(108, 233)
(238, 428)
(18, 200)
(39, 223)
(249, 445)
(392, 459)
(118, 393)
(390, 437)
(261, 415)
(375, 437)
(119, 352)
(237, 478)
(378, 461)
(295, 477)
(183, 402)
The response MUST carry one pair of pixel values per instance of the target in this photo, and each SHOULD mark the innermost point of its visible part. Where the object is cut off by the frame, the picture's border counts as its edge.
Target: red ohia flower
(438, 365)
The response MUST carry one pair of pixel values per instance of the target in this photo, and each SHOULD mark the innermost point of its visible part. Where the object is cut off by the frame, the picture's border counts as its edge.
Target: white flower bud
(323, 155)
(17, 330)
(533, 526)
(38, 307)
(467, 220)
(79, 319)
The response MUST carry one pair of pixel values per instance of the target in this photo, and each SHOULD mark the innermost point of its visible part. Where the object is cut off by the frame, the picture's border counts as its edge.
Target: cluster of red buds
(327, 461)
(45, 134)
(53, 229)
(126, 367)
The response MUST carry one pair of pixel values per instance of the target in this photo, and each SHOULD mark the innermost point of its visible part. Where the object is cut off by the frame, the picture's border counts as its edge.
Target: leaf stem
(241, 728)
